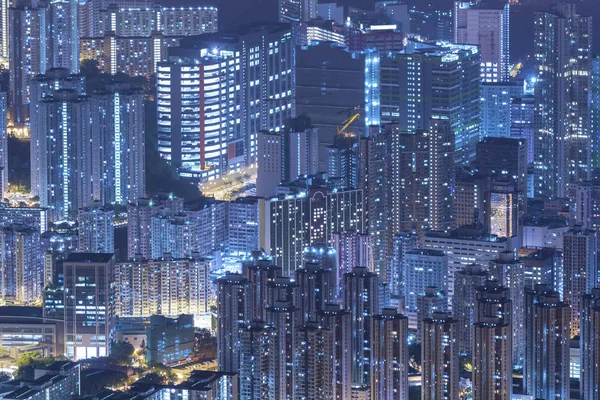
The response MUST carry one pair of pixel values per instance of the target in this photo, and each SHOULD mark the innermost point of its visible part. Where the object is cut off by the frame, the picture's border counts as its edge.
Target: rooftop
(89, 257)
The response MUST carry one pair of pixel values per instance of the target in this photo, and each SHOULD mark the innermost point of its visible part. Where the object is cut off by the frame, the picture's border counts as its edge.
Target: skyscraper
(316, 287)
(402, 243)
(63, 43)
(3, 139)
(448, 78)
(256, 364)
(63, 126)
(548, 334)
(496, 107)
(440, 374)
(90, 331)
(422, 268)
(511, 274)
(340, 323)
(21, 276)
(96, 229)
(389, 363)
(313, 362)
(580, 270)
(297, 10)
(441, 175)
(562, 59)
(361, 298)
(590, 344)
(352, 249)
(233, 301)
(487, 24)
(464, 304)
(29, 31)
(432, 300)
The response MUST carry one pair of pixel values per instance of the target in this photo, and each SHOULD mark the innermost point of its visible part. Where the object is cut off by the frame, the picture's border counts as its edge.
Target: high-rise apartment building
(439, 352)
(118, 172)
(546, 373)
(313, 362)
(487, 24)
(233, 301)
(448, 78)
(563, 61)
(432, 300)
(96, 229)
(316, 288)
(464, 304)
(471, 198)
(173, 234)
(590, 344)
(167, 286)
(89, 331)
(595, 110)
(422, 268)
(402, 243)
(139, 222)
(305, 213)
(352, 249)
(21, 276)
(510, 273)
(339, 322)
(492, 360)
(580, 269)
(256, 365)
(522, 112)
(585, 205)
(389, 365)
(3, 138)
(28, 33)
(361, 298)
(63, 43)
(63, 128)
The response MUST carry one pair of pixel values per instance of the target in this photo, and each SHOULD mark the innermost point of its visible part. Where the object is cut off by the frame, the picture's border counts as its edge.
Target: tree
(121, 352)
(28, 362)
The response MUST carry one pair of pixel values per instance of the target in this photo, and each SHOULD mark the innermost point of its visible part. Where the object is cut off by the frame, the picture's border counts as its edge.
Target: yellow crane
(346, 124)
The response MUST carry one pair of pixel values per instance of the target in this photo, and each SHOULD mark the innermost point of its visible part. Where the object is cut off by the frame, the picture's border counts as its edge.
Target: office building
(361, 298)
(422, 268)
(471, 198)
(21, 265)
(88, 333)
(233, 302)
(503, 217)
(522, 112)
(505, 158)
(297, 10)
(487, 24)
(562, 115)
(580, 269)
(222, 137)
(96, 230)
(389, 364)
(496, 107)
(441, 175)
(439, 352)
(547, 320)
(169, 340)
(451, 67)
(167, 286)
(313, 364)
(333, 94)
(589, 344)
(464, 304)
(510, 273)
